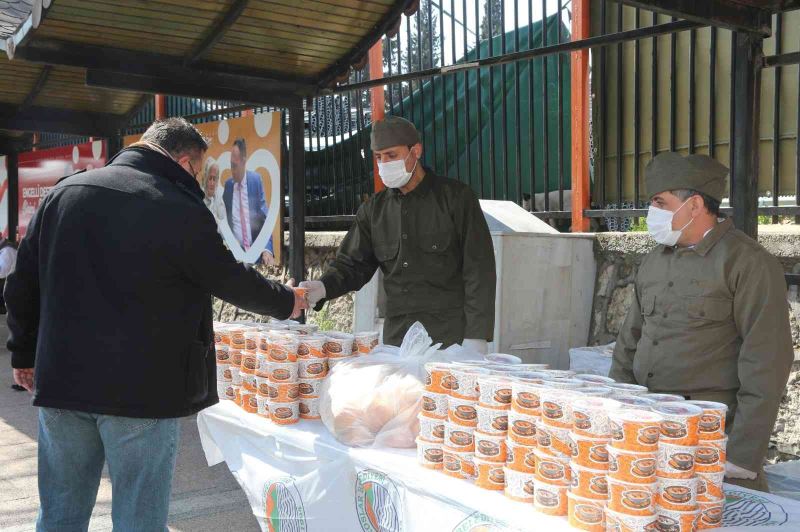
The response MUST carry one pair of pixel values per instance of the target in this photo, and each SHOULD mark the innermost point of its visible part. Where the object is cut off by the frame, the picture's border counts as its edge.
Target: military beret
(672, 171)
(393, 131)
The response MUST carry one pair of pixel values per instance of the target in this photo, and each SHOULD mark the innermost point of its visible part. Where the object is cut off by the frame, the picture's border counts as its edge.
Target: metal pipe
(571, 46)
(776, 118)
(712, 90)
(620, 90)
(560, 129)
(504, 106)
(518, 130)
(545, 117)
(637, 96)
(579, 99)
(692, 46)
(492, 170)
(673, 89)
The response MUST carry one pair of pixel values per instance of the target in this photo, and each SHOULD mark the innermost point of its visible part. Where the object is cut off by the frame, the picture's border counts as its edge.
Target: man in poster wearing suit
(245, 203)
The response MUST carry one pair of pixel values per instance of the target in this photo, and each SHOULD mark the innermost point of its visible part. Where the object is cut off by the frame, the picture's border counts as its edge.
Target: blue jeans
(141, 459)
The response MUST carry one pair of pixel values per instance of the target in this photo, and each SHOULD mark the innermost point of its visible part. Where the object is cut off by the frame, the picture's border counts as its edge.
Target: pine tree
(498, 21)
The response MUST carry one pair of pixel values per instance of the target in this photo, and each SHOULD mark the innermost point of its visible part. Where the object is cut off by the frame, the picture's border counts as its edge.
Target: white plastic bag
(374, 400)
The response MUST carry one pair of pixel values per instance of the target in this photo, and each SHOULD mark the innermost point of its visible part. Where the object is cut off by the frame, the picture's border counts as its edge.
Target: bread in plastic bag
(374, 400)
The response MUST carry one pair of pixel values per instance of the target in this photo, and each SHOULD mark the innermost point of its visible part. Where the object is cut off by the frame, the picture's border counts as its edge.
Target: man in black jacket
(109, 310)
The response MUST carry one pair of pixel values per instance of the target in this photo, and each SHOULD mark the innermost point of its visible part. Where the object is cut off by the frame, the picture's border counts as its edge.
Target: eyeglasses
(194, 174)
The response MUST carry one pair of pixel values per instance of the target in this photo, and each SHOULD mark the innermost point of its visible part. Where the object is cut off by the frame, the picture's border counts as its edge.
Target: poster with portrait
(240, 178)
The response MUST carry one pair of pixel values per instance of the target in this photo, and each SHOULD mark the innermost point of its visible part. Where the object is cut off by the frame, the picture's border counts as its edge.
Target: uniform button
(655, 342)
(434, 246)
(664, 315)
(405, 236)
(405, 265)
(649, 375)
(670, 284)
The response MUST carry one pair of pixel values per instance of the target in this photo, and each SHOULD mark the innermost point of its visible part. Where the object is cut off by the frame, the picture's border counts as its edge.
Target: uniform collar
(422, 189)
(709, 241)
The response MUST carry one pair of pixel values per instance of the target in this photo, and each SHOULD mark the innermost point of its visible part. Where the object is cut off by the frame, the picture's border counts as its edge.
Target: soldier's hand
(24, 378)
(316, 291)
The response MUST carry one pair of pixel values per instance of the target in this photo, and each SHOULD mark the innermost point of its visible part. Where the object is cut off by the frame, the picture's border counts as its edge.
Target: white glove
(316, 291)
(478, 346)
(734, 471)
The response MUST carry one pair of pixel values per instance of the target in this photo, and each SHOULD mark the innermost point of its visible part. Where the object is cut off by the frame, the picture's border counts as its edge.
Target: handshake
(306, 296)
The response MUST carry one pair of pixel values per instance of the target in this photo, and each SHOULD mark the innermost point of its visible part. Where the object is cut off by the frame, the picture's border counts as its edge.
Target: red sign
(40, 170)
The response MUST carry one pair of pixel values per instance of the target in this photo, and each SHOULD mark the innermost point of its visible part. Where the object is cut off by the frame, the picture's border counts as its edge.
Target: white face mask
(394, 173)
(659, 225)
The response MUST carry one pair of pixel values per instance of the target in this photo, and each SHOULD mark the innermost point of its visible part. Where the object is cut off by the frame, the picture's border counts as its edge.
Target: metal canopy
(100, 56)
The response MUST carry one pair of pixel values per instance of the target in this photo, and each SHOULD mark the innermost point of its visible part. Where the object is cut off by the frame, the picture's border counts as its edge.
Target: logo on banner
(378, 502)
(743, 508)
(478, 522)
(283, 506)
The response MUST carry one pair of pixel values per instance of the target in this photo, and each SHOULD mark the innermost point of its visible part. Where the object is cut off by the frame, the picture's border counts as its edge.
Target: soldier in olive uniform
(709, 319)
(428, 236)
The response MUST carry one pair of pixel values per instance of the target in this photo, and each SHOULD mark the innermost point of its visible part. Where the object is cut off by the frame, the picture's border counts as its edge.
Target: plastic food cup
(338, 344)
(461, 411)
(283, 392)
(459, 438)
(552, 469)
(491, 448)
(595, 390)
(557, 407)
(237, 337)
(590, 416)
(630, 389)
(710, 514)
(309, 408)
(263, 406)
(495, 391)
(284, 349)
(249, 402)
(284, 413)
(249, 383)
(438, 378)
(237, 394)
(588, 483)
(680, 422)
(249, 362)
(564, 383)
(224, 373)
(550, 499)
(711, 455)
(621, 522)
(525, 398)
(710, 486)
(229, 392)
(492, 420)
(466, 381)
(633, 467)
(431, 429)
(521, 457)
(310, 346)
(677, 494)
(676, 461)
(282, 372)
(304, 329)
(222, 353)
(459, 465)
(236, 357)
(589, 452)
(262, 386)
(430, 454)
(519, 485)
(312, 368)
(664, 397)
(586, 514)
(552, 440)
(559, 373)
(634, 430)
(236, 375)
(365, 342)
(435, 405)
(251, 340)
(309, 388)
(262, 364)
(593, 379)
(712, 421)
(633, 401)
(632, 499)
(522, 428)
(679, 521)
(490, 475)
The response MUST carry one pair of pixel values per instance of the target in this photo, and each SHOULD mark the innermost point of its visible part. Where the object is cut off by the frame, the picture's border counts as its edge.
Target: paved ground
(203, 499)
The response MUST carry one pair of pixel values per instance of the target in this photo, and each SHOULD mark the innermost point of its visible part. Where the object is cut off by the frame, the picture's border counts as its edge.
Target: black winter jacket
(111, 297)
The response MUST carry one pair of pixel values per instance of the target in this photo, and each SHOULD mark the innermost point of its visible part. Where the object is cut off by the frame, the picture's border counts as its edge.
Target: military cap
(393, 131)
(672, 171)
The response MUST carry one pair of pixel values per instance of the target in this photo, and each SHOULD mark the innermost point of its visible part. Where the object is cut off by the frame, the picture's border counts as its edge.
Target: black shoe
(17, 387)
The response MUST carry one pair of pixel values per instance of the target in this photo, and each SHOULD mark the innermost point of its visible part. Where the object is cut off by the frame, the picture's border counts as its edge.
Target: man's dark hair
(711, 204)
(242, 145)
(177, 136)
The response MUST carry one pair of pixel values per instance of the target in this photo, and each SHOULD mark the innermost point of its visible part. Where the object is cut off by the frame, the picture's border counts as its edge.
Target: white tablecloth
(299, 478)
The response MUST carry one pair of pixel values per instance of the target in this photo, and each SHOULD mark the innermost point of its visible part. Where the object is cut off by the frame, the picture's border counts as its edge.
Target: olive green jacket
(712, 322)
(434, 249)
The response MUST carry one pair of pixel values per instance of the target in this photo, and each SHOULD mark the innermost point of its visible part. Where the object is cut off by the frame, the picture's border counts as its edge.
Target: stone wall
(618, 258)
(320, 250)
